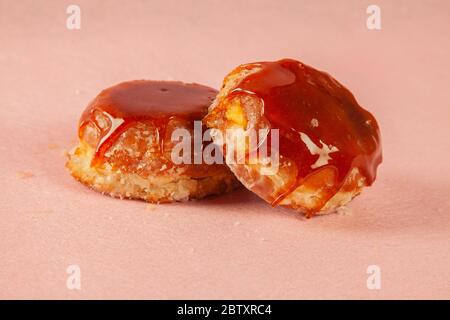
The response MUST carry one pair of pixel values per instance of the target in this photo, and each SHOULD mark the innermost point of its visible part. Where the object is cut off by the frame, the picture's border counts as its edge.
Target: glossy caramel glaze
(321, 124)
(157, 102)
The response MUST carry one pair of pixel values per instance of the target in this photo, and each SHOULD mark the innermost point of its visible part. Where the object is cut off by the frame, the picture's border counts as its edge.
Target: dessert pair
(289, 133)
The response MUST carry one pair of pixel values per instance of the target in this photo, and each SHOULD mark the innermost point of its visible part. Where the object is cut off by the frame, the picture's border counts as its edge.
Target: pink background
(234, 246)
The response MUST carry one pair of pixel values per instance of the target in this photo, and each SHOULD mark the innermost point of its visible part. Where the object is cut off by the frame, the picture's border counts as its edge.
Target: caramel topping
(321, 124)
(143, 100)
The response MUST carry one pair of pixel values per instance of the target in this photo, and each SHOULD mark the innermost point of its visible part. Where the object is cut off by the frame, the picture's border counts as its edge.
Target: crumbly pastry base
(173, 185)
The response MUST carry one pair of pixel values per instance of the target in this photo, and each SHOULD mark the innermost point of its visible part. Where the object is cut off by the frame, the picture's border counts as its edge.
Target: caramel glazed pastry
(125, 143)
(329, 146)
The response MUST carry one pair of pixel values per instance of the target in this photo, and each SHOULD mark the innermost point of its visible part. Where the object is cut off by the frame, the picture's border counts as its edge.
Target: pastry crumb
(344, 210)
(25, 174)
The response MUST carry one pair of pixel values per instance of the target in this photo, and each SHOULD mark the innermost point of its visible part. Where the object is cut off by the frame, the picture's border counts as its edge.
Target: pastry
(125, 143)
(328, 145)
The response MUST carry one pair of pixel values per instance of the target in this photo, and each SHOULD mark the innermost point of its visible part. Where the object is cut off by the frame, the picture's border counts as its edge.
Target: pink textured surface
(234, 246)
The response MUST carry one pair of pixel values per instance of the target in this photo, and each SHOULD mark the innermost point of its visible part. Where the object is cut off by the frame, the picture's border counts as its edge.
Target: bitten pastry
(125, 143)
(328, 146)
